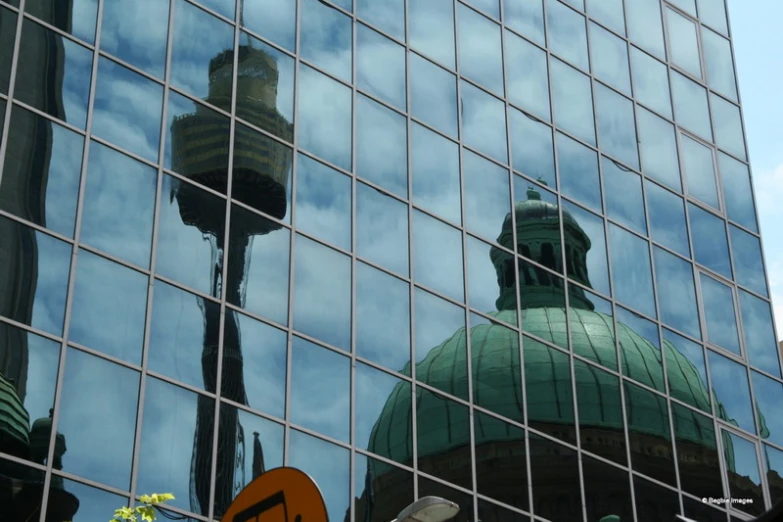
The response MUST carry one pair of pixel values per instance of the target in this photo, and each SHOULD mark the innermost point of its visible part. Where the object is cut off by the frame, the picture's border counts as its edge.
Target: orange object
(279, 495)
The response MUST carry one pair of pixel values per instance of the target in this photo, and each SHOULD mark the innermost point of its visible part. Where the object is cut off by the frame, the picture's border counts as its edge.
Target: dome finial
(532, 193)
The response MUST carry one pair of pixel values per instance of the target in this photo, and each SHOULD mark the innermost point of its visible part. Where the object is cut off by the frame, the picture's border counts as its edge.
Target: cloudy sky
(757, 46)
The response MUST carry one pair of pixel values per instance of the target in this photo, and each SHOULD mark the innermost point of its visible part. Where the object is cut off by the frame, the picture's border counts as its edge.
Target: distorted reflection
(326, 38)
(616, 126)
(567, 34)
(578, 168)
(773, 466)
(323, 202)
(667, 218)
(699, 165)
(719, 313)
(274, 20)
(371, 478)
(742, 473)
(710, 241)
(769, 395)
(42, 192)
(532, 148)
(381, 146)
(53, 74)
(597, 475)
(674, 285)
(623, 195)
(381, 229)
(487, 198)
(691, 109)
(7, 39)
(386, 15)
(631, 270)
(720, 65)
(697, 453)
(683, 43)
(727, 124)
(748, 263)
(572, 100)
(609, 13)
(483, 122)
(443, 423)
(658, 145)
(435, 173)
(78, 17)
(737, 191)
(655, 503)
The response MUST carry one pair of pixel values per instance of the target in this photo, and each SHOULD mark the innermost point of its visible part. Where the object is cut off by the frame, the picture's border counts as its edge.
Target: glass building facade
(503, 252)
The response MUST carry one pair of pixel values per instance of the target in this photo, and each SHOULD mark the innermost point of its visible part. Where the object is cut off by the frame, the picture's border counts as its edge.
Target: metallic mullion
(411, 268)
(224, 269)
(153, 259)
(464, 261)
(73, 267)
(352, 285)
(292, 242)
(6, 131)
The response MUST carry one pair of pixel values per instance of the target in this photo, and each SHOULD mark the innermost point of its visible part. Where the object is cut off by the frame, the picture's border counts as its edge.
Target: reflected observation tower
(259, 179)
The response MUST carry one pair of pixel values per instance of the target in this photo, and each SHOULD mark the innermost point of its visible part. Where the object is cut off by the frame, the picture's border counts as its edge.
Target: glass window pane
(728, 127)
(531, 148)
(435, 173)
(578, 166)
(623, 194)
(320, 382)
(177, 352)
(496, 386)
(484, 122)
(676, 292)
(34, 279)
(527, 18)
(275, 20)
(490, 7)
(79, 23)
(695, 435)
(442, 426)
(567, 34)
(640, 349)
(742, 470)
(101, 321)
(603, 481)
(325, 36)
(433, 94)
(720, 64)
(122, 36)
(491, 431)
(53, 75)
(572, 101)
(387, 82)
(93, 503)
(381, 146)
(381, 229)
(616, 126)
(42, 192)
(463, 500)
(609, 55)
(258, 265)
(431, 30)
(382, 430)
(686, 371)
(323, 202)
(729, 382)
(651, 82)
(322, 293)
(710, 242)
(127, 109)
(549, 389)
(378, 501)
(658, 145)
(698, 510)
(86, 378)
(645, 26)
(197, 62)
(608, 12)
(763, 351)
(480, 56)
(737, 191)
(773, 459)
(552, 463)
(382, 318)
(386, 15)
(699, 165)
(655, 503)
(178, 427)
(437, 256)
(713, 13)
(324, 126)
(487, 195)
(720, 314)
(683, 43)
(600, 411)
(597, 265)
(690, 106)
(483, 264)
(182, 252)
(527, 76)
(329, 466)
(748, 264)
(7, 39)
(648, 415)
(667, 218)
(769, 397)
(262, 67)
(119, 205)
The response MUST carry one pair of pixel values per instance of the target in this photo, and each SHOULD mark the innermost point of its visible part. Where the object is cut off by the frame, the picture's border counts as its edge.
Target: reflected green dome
(14, 419)
(497, 384)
